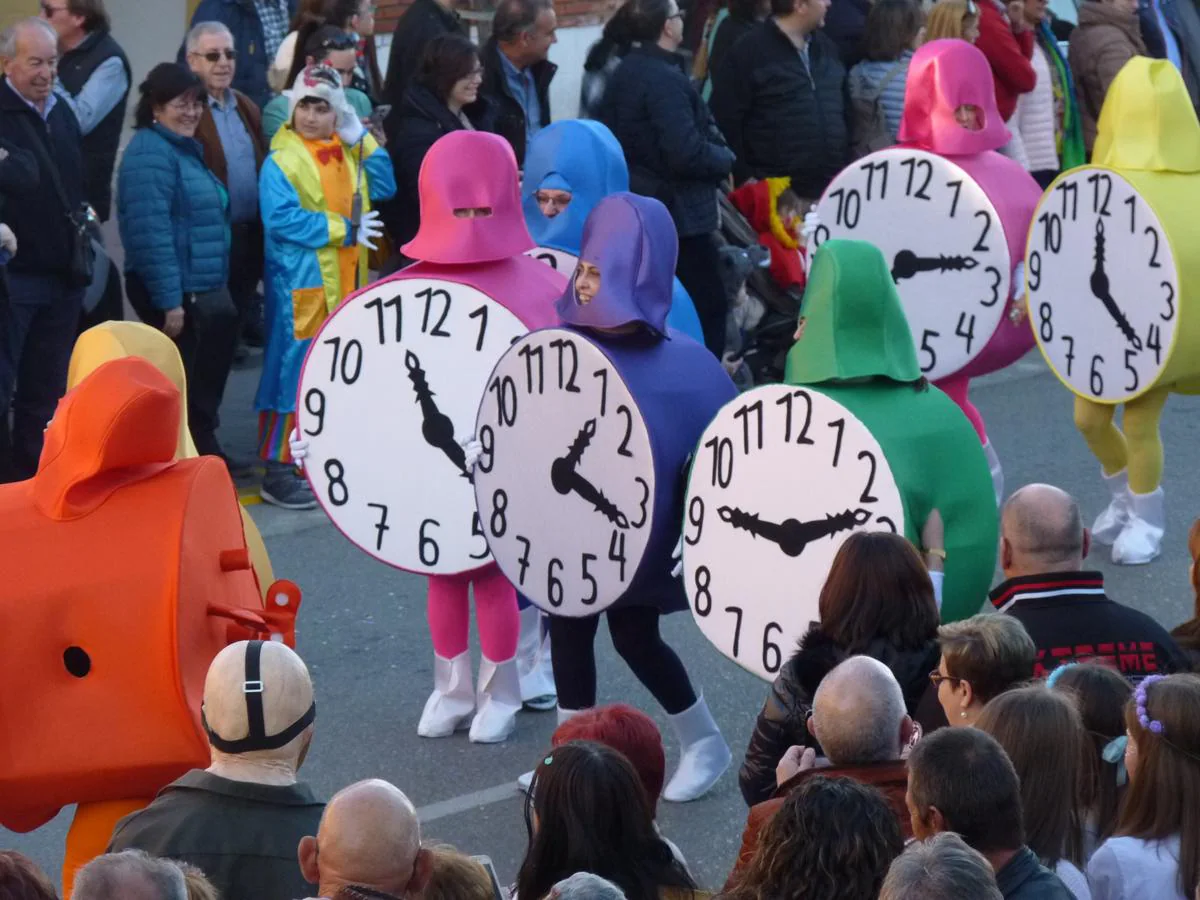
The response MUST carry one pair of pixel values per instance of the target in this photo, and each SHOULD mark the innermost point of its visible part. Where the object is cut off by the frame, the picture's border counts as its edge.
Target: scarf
(1069, 130)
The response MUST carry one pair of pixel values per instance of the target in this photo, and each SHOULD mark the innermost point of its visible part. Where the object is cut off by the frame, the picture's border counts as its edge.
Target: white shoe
(1110, 523)
(1140, 541)
(997, 471)
(533, 663)
(704, 758)
(526, 779)
(450, 706)
(498, 701)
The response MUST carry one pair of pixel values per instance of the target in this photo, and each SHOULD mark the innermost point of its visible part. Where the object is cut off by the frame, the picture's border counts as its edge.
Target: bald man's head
(1041, 531)
(859, 715)
(283, 685)
(369, 836)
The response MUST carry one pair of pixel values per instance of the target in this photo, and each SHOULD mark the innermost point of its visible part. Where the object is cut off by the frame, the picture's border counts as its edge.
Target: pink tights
(955, 388)
(496, 615)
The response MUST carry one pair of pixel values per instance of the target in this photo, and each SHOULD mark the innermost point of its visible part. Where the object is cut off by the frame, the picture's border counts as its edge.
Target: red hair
(630, 732)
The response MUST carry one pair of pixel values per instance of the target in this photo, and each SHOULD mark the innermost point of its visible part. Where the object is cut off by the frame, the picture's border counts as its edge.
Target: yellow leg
(1104, 439)
(1144, 441)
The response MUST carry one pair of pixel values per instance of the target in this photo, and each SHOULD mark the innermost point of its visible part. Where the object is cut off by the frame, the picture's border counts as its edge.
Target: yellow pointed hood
(1147, 122)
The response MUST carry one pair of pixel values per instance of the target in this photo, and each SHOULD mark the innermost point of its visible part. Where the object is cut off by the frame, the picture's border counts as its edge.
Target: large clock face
(565, 485)
(943, 240)
(390, 386)
(1103, 288)
(559, 260)
(782, 476)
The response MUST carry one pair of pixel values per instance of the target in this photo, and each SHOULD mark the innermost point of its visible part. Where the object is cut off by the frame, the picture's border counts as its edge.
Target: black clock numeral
(1096, 381)
(1154, 342)
(381, 526)
(482, 315)
(957, 185)
(980, 246)
(887, 520)
(554, 587)
(1070, 352)
(995, 285)
(838, 425)
(351, 360)
(590, 579)
(849, 206)
(487, 440)
(866, 496)
(602, 374)
(566, 382)
(1170, 314)
(1131, 202)
(337, 491)
(317, 410)
(477, 531)
(1052, 237)
(737, 625)
(703, 591)
(428, 295)
(744, 414)
(1130, 355)
(695, 516)
(1045, 325)
(427, 547)
(1069, 190)
(926, 348)
(528, 353)
(820, 236)
(624, 450)
(499, 521)
(927, 168)
(772, 656)
(379, 305)
(616, 551)
(967, 333)
(505, 390)
(1153, 232)
(642, 506)
(871, 168)
(1100, 181)
(722, 461)
(523, 559)
(787, 401)
(549, 259)
(1035, 270)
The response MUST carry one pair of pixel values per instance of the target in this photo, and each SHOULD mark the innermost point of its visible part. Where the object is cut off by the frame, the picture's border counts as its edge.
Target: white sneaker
(498, 701)
(450, 706)
(1140, 541)
(1110, 523)
(704, 758)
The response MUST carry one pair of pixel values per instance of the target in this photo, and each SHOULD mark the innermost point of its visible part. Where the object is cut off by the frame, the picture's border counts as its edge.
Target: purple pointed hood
(631, 240)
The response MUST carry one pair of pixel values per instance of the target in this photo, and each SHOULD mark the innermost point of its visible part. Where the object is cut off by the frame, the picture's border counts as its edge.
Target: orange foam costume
(126, 572)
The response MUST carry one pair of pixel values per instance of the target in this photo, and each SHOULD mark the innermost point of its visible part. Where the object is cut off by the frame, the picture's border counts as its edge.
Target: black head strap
(257, 739)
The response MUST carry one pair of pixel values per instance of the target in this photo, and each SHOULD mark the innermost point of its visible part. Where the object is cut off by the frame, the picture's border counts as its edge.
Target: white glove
(350, 126)
(472, 450)
(812, 222)
(8, 240)
(298, 446)
(369, 229)
(677, 559)
(1018, 281)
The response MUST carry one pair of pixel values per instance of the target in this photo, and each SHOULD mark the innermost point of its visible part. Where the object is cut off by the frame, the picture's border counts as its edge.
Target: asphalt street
(362, 632)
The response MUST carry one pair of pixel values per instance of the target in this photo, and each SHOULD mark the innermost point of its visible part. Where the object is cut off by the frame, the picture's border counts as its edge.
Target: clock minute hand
(437, 429)
(907, 264)
(792, 535)
(566, 479)
(1102, 291)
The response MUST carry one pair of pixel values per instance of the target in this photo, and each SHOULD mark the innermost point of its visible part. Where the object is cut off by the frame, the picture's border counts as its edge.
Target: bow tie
(325, 154)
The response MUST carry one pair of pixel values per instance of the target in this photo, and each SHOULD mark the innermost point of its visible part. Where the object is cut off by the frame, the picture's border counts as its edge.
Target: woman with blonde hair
(953, 19)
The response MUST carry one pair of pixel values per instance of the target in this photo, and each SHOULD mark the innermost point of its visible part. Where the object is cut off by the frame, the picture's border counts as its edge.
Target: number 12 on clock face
(782, 476)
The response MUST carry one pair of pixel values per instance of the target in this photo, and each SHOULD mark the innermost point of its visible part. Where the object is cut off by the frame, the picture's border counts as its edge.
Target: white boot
(1141, 540)
(997, 471)
(452, 702)
(499, 701)
(533, 662)
(523, 781)
(704, 754)
(1110, 523)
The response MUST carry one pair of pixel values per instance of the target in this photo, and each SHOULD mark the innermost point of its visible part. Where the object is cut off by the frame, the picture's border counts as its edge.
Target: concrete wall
(149, 31)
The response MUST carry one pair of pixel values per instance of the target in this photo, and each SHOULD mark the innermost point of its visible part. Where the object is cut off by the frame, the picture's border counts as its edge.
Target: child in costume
(776, 214)
(323, 169)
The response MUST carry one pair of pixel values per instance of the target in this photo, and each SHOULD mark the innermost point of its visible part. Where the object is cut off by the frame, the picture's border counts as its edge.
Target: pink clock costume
(943, 77)
(473, 232)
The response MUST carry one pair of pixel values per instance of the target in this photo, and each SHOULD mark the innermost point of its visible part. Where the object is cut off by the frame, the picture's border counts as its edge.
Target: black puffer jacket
(781, 116)
(783, 721)
(673, 148)
(508, 111)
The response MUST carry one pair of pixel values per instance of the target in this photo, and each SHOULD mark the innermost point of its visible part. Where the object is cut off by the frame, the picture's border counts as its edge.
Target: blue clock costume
(583, 157)
(678, 386)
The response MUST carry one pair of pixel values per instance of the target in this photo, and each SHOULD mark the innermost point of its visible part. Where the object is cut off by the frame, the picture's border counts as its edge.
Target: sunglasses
(214, 56)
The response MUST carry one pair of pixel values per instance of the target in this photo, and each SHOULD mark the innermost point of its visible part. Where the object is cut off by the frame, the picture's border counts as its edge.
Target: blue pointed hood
(631, 240)
(576, 155)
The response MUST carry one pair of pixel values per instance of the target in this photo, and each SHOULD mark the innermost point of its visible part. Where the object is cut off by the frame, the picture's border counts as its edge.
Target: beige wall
(149, 31)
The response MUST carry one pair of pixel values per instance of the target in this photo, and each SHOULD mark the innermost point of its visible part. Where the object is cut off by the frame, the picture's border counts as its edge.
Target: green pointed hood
(854, 324)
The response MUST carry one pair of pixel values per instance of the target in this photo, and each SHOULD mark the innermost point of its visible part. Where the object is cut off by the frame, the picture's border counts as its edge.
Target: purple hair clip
(1139, 699)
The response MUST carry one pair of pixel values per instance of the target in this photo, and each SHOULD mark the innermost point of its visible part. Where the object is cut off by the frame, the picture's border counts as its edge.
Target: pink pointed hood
(469, 170)
(944, 75)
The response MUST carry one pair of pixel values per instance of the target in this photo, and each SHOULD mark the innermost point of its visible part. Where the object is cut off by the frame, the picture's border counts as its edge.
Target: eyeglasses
(937, 678)
(49, 10)
(181, 104)
(214, 56)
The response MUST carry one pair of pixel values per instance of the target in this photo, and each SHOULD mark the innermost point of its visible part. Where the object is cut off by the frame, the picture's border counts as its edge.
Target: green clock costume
(857, 350)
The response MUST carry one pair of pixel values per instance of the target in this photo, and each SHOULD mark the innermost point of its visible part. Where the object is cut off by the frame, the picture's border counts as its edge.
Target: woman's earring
(962, 713)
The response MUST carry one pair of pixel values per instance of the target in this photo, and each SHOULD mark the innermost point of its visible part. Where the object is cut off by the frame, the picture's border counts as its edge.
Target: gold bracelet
(935, 551)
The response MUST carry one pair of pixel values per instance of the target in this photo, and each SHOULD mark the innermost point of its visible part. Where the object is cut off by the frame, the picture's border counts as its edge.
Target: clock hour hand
(907, 264)
(792, 535)
(566, 479)
(1102, 292)
(437, 429)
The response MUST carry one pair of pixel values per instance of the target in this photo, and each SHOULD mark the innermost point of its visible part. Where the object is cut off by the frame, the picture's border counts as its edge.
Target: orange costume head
(126, 572)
